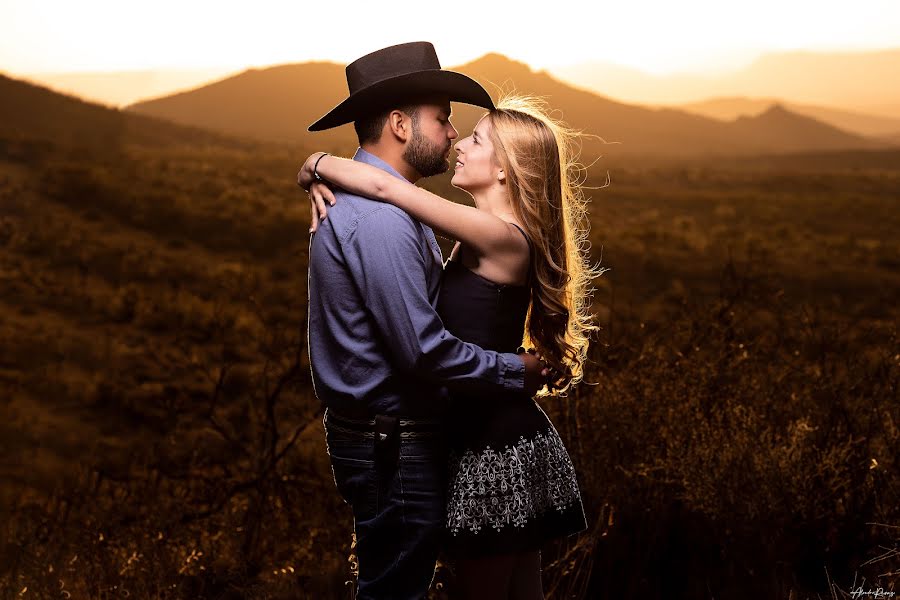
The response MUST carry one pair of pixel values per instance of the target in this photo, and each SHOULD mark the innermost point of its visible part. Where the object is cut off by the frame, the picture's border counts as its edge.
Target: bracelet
(316, 166)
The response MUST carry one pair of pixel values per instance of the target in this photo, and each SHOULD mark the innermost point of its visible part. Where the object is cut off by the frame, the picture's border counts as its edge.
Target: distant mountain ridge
(855, 91)
(865, 81)
(120, 88)
(730, 108)
(278, 103)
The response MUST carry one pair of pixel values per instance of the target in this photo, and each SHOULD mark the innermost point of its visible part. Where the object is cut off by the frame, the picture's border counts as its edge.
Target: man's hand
(536, 372)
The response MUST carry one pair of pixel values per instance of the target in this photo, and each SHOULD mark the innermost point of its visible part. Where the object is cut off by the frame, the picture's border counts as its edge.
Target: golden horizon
(42, 37)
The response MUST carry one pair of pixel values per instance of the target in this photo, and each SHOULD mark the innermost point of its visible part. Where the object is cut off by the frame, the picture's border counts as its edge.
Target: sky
(659, 37)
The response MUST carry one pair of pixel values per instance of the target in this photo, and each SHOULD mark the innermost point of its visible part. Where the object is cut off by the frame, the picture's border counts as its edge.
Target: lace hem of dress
(508, 487)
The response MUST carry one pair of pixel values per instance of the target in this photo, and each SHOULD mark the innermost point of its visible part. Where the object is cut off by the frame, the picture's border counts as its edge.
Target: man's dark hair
(369, 127)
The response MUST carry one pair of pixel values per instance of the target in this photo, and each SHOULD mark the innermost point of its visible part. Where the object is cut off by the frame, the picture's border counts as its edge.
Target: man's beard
(426, 158)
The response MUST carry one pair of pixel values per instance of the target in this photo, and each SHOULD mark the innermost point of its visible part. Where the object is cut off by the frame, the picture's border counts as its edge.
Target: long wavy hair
(538, 155)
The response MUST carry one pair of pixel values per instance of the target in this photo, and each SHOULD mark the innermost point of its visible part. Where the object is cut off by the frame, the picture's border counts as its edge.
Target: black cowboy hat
(398, 72)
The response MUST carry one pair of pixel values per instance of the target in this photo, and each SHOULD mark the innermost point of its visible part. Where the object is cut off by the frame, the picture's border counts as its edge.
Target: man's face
(428, 150)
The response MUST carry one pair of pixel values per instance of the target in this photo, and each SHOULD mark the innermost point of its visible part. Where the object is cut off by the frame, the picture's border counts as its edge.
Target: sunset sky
(658, 37)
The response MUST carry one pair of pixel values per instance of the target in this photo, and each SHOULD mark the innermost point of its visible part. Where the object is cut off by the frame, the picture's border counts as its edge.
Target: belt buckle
(387, 442)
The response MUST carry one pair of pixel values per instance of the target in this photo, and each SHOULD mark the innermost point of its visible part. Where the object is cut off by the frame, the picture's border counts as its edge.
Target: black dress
(512, 486)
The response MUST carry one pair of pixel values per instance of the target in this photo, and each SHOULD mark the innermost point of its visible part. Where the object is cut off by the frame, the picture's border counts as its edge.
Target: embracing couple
(434, 436)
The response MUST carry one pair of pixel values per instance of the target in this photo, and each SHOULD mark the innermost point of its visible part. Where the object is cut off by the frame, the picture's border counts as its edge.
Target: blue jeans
(398, 516)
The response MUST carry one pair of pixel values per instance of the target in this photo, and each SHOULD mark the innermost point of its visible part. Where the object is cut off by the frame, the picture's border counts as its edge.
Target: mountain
(730, 108)
(34, 113)
(278, 103)
(791, 132)
(120, 88)
(867, 82)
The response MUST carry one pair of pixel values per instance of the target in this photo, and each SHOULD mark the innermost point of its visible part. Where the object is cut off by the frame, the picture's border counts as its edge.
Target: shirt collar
(370, 159)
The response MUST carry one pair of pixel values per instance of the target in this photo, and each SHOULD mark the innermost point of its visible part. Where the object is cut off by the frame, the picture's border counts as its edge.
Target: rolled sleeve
(385, 254)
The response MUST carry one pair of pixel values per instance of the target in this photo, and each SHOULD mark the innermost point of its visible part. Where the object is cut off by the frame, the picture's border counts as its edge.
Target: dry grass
(738, 439)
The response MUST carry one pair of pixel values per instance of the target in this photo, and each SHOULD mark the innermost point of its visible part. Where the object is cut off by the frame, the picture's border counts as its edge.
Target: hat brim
(458, 87)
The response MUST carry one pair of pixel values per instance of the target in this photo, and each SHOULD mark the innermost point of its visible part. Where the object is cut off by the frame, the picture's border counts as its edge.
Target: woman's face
(476, 166)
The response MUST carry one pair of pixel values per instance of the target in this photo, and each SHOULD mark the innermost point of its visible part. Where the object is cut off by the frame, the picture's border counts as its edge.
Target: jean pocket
(356, 482)
(423, 482)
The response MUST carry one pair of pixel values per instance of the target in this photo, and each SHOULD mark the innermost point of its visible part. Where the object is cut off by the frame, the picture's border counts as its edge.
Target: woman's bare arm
(485, 233)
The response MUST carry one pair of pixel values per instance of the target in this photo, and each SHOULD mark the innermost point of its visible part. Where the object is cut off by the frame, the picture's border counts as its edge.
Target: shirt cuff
(514, 372)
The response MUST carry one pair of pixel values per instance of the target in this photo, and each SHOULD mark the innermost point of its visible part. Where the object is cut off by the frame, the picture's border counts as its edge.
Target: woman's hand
(319, 194)
(306, 175)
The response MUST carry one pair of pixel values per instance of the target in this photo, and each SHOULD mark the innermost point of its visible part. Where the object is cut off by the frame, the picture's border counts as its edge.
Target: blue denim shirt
(375, 337)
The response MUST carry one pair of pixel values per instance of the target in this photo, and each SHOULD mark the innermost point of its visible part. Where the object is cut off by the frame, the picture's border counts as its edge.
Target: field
(737, 435)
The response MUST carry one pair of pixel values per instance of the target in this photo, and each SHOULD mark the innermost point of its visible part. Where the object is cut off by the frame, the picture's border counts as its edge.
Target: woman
(517, 275)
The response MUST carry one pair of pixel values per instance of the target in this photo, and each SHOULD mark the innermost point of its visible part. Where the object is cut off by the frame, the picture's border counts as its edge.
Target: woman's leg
(525, 583)
(484, 578)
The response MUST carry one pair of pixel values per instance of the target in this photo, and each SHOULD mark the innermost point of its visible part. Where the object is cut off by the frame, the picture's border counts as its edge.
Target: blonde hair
(538, 155)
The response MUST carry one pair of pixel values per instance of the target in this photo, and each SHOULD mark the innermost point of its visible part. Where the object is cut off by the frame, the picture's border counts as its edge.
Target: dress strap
(527, 239)
(530, 252)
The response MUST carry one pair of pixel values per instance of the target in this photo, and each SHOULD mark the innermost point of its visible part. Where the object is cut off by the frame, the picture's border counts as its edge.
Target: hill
(893, 138)
(31, 112)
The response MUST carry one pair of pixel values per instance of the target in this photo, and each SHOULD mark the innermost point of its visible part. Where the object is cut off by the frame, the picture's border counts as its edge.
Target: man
(380, 355)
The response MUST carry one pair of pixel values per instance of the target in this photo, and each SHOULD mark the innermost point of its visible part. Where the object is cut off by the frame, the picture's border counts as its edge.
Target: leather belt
(407, 427)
